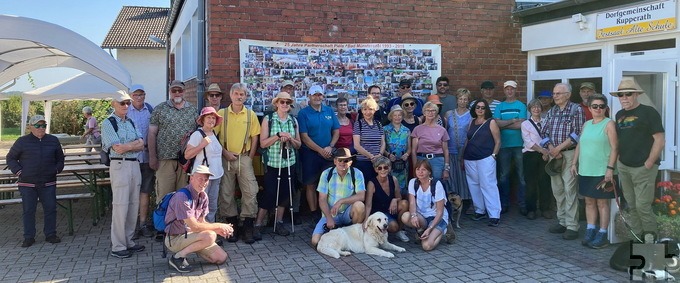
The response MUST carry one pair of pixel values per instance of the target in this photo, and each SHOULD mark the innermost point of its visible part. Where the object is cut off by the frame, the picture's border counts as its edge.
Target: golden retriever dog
(456, 208)
(359, 239)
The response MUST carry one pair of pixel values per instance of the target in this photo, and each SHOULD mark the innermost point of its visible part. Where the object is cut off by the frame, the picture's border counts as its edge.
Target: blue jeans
(48, 198)
(437, 164)
(506, 156)
(213, 192)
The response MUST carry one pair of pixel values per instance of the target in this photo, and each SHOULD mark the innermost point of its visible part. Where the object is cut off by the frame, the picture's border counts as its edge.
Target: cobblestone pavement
(519, 250)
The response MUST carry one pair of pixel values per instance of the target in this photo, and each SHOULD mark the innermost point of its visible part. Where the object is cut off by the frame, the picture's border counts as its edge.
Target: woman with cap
(409, 103)
(534, 158)
(204, 146)
(346, 125)
(430, 141)
(397, 145)
(479, 155)
(280, 142)
(597, 152)
(457, 122)
(369, 138)
(92, 132)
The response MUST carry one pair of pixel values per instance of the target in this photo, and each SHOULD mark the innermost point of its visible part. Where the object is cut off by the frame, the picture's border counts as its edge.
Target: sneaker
(281, 229)
(479, 216)
(53, 239)
(27, 242)
(136, 248)
(531, 215)
(160, 237)
(121, 254)
(180, 264)
(570, 235)
(589, 236)
(147, 231)
(401, 235)
(600, 241)
(557, 229)
(493, 222)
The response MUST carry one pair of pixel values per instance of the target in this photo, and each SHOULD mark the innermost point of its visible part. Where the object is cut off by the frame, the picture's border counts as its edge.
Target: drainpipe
(200, 76)
(167, 66)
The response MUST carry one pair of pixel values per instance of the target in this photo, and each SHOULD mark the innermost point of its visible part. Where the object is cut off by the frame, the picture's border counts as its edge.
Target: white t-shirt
(214, 152)
(424, 199)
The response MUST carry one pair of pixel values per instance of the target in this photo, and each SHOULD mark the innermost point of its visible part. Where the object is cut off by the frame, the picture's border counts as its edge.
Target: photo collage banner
(341, 69)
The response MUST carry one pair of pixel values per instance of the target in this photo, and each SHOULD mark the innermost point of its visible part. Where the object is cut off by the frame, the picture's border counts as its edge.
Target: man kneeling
(188, 231)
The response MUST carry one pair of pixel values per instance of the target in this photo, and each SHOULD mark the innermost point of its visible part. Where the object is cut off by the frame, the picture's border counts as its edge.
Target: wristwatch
(278, 134)
(493, 155)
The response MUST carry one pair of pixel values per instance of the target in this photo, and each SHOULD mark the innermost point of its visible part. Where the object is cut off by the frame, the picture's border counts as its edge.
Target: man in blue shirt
(509, 116)
(319, 131)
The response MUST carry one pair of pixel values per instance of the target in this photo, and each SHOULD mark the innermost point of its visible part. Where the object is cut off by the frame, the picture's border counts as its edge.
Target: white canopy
(28, 44)
(82, 86)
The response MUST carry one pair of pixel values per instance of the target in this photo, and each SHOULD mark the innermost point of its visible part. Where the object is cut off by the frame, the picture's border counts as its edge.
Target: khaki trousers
(125, 182)
(565, 190)
(241, 171)
(169, 178)
(638, 184)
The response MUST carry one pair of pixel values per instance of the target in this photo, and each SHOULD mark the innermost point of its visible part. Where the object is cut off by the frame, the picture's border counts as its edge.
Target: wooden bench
(9, 189)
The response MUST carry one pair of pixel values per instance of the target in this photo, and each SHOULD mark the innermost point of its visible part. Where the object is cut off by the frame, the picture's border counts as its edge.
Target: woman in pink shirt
(534, 158)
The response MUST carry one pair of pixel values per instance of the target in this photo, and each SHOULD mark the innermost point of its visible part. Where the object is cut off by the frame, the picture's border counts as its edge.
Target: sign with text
(650, 17)
(341, 69)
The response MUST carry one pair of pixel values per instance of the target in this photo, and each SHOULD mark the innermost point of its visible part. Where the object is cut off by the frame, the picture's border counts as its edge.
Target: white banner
(650, 17)
(341, 69)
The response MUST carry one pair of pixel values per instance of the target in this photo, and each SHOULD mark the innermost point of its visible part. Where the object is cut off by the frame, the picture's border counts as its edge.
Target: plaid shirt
(275, 155)
(562, 124)
(337, 189)
(126, 133)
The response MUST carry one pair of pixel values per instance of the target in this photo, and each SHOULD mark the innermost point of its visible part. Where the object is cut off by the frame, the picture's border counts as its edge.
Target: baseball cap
(405, 82)
(510, 83)
(488, 84)
(588, 85)
(315, 89)
(37, 118)
(122, 96)
(136, 87)
(287, 82)
(177, 83)
(545, 93)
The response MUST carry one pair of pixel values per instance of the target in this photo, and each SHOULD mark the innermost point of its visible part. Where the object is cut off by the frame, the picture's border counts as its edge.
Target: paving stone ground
(519, 250)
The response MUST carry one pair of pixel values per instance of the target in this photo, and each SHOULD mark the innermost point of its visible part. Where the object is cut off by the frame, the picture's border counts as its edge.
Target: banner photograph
(341, 69)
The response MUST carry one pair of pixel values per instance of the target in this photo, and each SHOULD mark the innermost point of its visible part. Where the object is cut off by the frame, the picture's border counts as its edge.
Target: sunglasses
(442, 84)
(123, 103)
(347, 160)
(282, 102)
(214, 95)
(627, 94)
(381, 168)
(177, 90)
(38, 126)
(480, 107)
(405, 87)
(598, 106)
(374, 93)
(409, 104)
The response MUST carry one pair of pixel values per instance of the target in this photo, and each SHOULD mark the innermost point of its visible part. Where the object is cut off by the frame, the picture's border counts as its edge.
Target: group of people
(401, 157)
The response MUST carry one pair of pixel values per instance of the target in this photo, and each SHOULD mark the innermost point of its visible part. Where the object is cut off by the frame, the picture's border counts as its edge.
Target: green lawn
(10, 134)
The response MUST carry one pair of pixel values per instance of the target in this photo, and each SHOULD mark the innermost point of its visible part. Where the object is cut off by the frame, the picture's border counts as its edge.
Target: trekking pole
(290, 192)
(278, 186)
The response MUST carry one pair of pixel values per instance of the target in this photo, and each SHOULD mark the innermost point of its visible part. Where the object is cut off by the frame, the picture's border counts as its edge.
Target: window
(576, 87)
(574, 60)
(643, 46)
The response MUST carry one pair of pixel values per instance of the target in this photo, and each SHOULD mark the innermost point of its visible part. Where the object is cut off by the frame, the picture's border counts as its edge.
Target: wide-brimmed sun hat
(282, 95)
(207, 111)
(554, 166)
(628, 84)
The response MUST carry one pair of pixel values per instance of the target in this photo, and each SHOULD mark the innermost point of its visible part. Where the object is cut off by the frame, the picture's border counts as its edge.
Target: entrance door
(658, 79)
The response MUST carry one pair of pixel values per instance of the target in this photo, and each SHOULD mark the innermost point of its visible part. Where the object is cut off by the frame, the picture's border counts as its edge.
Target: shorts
(341, 219)
(148, 178)
(312, 166)
(441, 226)
(179, 242)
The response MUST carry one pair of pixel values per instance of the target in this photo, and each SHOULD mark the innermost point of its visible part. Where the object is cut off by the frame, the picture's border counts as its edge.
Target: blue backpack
(162, 208)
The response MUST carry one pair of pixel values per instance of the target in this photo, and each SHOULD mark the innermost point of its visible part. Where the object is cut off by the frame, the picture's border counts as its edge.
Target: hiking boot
(28, 242)
(557, 229)
(180, 264)
(248, 231)
(570, 235)
(493, 222)
(146, 231)
(589, 236)
(531, 215)
(121, 254)
(401, 235)
(257, 233)
(234, 222)
(136, 248)
(478, 216)
(281, 230)
(53, 239)
(600, 241)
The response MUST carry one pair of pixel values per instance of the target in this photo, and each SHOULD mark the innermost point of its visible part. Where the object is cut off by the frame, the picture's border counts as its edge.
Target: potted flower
(667, 210)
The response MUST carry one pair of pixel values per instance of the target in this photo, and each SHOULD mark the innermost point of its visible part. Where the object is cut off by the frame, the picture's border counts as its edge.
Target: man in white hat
(641, 140)
(36, 159)
(124, 142)
(189, 232)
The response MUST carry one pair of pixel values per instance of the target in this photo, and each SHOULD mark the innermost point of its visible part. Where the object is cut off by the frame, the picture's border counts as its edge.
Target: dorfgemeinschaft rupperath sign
(650, 17)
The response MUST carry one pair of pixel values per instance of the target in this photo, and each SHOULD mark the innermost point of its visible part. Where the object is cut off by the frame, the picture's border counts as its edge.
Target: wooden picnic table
(89, 158)
(80, 146)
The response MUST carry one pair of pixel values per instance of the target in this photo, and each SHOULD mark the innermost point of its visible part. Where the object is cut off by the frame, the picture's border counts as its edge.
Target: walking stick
(290, 192)
(278, 186)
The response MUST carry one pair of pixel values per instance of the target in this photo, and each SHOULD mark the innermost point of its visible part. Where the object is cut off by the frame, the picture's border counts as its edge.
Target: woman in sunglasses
(479, 154)
(597, 152)
(383, 195)
(409, 104)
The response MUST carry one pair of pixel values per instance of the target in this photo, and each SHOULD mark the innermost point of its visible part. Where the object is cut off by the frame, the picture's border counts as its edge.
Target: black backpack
(104, 156)
(433, 190)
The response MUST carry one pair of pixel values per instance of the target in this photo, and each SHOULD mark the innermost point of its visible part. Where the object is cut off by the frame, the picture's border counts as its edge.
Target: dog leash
(603, 186)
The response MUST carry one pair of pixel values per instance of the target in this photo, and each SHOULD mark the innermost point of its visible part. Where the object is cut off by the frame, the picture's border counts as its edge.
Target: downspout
(200, 76)
(167, 66)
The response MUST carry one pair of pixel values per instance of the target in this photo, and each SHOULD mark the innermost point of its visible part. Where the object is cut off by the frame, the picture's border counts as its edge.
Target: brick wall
(479, 40)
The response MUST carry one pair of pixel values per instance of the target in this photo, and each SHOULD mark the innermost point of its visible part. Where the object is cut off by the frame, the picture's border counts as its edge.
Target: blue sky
(90, 18)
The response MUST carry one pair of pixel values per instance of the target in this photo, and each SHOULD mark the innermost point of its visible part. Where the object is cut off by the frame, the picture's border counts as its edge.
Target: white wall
(146, 67)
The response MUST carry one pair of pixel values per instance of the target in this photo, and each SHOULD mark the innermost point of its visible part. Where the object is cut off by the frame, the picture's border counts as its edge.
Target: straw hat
(201, 169)
(394, 108)
(207, 111)
(214, 88)
(407, 96)
(628, 84)
(282, 95)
